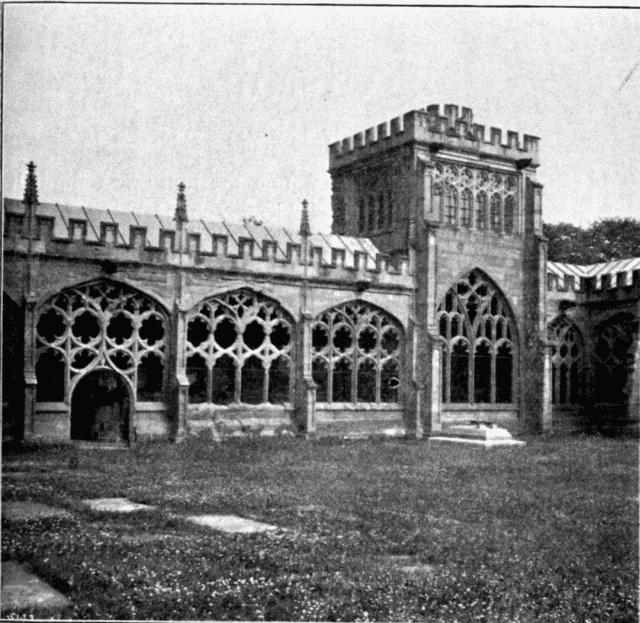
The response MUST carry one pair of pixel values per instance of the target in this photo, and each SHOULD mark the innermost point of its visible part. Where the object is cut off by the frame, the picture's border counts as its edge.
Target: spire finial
(31, 187)
(181, 205)
(305, 228)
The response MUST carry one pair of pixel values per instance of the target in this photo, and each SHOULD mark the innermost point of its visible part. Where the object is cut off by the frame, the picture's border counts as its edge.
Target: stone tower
(468, 210)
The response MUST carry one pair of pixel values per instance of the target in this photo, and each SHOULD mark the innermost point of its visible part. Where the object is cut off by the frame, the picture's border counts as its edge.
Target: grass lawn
(393, 530)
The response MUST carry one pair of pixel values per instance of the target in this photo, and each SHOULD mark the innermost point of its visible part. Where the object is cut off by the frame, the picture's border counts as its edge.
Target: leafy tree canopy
(604, 241)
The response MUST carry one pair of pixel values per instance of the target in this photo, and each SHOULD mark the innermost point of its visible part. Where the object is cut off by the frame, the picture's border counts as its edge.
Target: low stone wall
(346, 419)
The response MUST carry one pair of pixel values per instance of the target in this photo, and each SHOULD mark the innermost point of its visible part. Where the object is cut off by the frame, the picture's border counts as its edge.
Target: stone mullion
(494, 350)
(355, 361)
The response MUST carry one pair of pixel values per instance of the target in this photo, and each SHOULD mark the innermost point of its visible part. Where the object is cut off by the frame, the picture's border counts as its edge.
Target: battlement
(455, 129)
(250, 246)
(594, 279)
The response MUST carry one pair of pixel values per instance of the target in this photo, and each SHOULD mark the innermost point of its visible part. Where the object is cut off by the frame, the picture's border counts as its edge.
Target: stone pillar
(305, 408)
(413, 388)
(428, 349)
(30, 380)
(534, 377)
(180, 382)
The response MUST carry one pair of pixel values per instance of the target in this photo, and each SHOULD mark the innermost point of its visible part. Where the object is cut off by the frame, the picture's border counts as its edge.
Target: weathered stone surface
(231, 523)
(23, 592)
(116, 505)
(25, 511)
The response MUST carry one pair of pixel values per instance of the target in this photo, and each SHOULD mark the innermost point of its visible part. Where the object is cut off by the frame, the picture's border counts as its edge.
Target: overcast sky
(118, 104)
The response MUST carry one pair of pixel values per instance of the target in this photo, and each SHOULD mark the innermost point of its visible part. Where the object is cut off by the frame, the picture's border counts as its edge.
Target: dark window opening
(254, 335)
(253, 377)
(150, 378)
(343, 339)
(198, 331)
(223, 381)
(390, 381)
(367, 381)
(120, 329)
(280, 336)
(504, 372)
(198, 376)
(319, 338)
(51, 325)
(320, 373)
(279, 374)
(342, 381)
(482, 373)
(86, 327)
(225, 333)
(460, 372)
(367, 340)
(152, 330)
(50, 374)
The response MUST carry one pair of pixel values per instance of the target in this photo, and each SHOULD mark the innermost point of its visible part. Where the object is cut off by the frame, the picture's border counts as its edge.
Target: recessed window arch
(101, 324)
(509, 214)
(477, 330)
(496, 213)
(616, 342)
(466, 208)
(451, 206)
(481, 210)
(239, 350)
(356, 349)
(567, 354)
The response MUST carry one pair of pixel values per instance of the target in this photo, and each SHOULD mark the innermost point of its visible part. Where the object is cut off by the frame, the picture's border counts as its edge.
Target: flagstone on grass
(230, 523)
(409, 565)
(24, 511)
(116, 505)
(24, 592)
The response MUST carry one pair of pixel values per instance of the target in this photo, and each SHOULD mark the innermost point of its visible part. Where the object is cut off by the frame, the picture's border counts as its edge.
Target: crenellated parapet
(454, 129)
(251, 246)
(595, 280)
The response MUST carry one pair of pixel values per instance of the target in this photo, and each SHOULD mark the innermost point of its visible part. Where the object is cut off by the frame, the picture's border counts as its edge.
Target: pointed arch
(100, 324)
(476, 311)
(616, 343)
(240, 349)
(567, 361)
(357, 354)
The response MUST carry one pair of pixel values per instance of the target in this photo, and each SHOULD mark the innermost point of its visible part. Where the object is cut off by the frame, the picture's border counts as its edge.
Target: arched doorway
(100, 407)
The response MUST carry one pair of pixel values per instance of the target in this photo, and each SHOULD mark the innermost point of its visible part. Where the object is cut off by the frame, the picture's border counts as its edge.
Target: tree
(603, 241)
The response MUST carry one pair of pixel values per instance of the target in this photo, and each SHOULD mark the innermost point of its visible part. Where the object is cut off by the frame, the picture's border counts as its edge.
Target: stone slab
(25, 511)
(230, 523)
(485, 443)
(23, 592)
(116, 505)
(485, 432)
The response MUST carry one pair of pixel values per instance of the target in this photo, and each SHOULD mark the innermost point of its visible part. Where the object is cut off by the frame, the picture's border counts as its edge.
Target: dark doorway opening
(100, 408)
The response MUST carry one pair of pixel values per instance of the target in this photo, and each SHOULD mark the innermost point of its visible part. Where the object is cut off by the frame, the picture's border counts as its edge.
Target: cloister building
(430, 303)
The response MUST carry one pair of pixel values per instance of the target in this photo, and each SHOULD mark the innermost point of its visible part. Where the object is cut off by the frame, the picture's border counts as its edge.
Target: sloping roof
(612, 269)
(154, 224)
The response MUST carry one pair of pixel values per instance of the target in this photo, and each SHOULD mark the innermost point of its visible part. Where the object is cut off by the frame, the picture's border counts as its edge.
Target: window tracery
(239, 350)
(476, 327)
(616, 343)
(356, 355)
(103, 324)
(566, 361)
(472, 186)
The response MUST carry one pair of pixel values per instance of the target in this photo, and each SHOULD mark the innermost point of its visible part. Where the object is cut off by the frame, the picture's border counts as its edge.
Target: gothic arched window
(566, 361)
(616, 343)
(356, 355)
(509, 214)
(481, 211)
(451, 206)
(239, 350)
(496, 213)
(466, 209)
(104, 324)
(477, 329)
